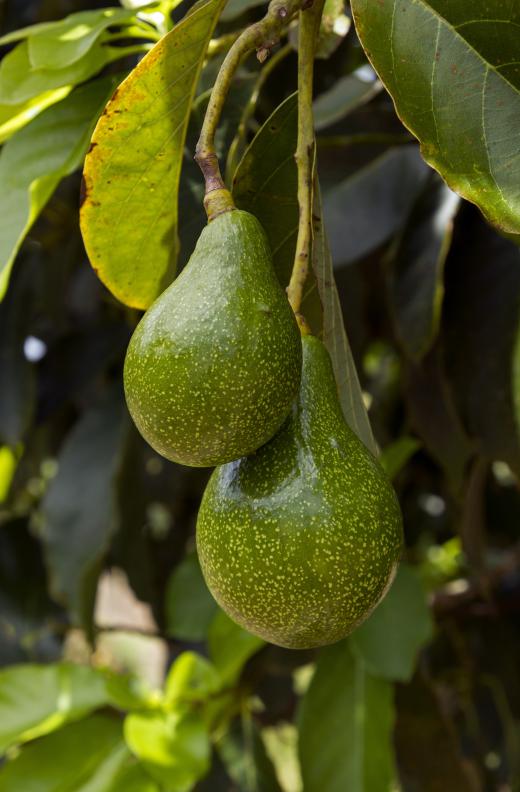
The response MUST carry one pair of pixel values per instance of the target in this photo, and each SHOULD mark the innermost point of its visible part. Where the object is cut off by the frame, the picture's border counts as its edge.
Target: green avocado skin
(300, 541)
(214, 365)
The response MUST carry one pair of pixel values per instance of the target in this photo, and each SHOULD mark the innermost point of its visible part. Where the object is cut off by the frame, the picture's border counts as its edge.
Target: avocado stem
(305, 150)
(262, 36)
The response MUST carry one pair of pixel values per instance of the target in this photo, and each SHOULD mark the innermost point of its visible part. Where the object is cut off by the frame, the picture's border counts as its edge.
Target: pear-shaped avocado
(214, 365)
(300, 541)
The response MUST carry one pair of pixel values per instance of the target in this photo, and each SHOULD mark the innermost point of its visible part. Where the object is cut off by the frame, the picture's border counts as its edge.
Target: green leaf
(367, 209)
(129, 213)
(190, 607)
(389, 641)
(191, 678)
(82, 757)
(34, 161)
(35, 700)
(19, 82)
(345, 726)
(395, 456)
(230, 647)
(335, 335)
(347, 93)
(54, 45)
(416, 281)
(8, 464)
(132, 778)
(173, 747)
(456, 86)
(15, 117)
(79, 507)
(265, 184)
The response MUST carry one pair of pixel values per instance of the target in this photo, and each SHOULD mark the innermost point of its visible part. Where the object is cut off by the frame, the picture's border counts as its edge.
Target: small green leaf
(345, 726)
(191, 678)
(395, 456)
(79, 507)
(35, 700)
(34, 161)
(173, 747)
(242, 752)
(456, 86)
(235, 8)
(8, 463)
(230, 647)
(19, 82)
(190, 607)
(129, 213)
(85, 756)
(389, 641)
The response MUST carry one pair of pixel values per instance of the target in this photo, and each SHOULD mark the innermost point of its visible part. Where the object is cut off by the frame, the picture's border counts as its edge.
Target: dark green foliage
(425, 695)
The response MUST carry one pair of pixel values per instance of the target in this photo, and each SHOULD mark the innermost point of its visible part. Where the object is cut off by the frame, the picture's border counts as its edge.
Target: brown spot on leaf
(92, 146)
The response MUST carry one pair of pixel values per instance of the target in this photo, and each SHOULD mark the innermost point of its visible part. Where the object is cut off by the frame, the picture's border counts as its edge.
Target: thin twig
(305, 150)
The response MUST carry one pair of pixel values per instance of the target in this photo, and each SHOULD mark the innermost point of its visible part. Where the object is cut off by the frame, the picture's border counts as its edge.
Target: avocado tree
(283, 239)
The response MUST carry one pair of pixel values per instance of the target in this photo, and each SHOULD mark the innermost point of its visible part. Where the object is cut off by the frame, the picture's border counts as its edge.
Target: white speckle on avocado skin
(214, 365)
(301, 540)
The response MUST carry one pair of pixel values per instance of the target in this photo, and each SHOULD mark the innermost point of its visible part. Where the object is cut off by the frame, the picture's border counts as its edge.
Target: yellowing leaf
(129, 214)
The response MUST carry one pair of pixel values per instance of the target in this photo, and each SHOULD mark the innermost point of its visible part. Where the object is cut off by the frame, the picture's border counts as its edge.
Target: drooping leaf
(34, 161)
(129, 212)
(345, 726)
(190, 608)
(265, 184)
(230, 647)
(347, 93)
(173, 747)
(38, 699)
(82, 757)
(79, 507)
(368, 208)
(456, 86)
(388, 642)
(54, 45)
(335, 335)
(481, 333)
(416, 282)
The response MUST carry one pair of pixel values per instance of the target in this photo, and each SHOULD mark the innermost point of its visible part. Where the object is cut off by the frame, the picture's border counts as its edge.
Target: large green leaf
(129, 212)
(34, 161)
(14, 117)
(78, 509)
(452, 70)
(190, 608)
(367, 208)
(345, 726)
(35, 700)
(86, 756)
(54, 45)
(388, 642)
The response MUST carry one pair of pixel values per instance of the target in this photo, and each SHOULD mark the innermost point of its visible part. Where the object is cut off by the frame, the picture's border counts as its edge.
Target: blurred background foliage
(119, 672)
